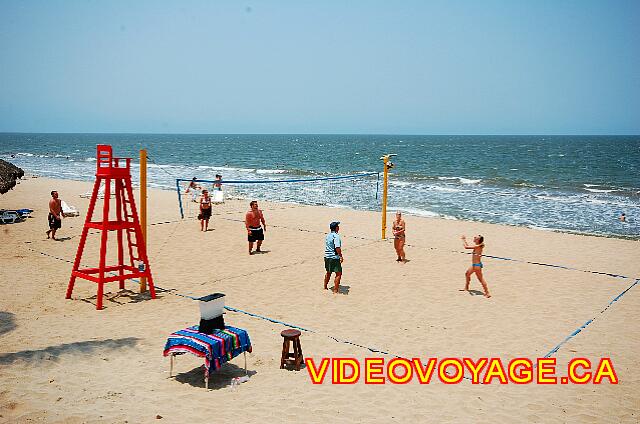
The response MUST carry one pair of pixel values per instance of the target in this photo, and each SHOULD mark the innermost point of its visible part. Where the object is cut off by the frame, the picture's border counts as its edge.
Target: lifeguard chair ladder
(117, 170)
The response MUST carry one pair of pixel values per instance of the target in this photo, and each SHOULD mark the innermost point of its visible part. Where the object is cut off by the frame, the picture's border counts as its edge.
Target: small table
(216, 349)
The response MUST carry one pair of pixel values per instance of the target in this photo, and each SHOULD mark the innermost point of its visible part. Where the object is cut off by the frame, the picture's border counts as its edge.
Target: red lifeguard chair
(110, 169)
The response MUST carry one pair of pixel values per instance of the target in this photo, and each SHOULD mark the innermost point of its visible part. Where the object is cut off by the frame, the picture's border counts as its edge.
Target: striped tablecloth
(216, 348)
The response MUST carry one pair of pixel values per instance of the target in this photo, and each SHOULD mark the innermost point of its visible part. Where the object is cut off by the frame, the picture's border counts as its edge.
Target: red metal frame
(118, 170)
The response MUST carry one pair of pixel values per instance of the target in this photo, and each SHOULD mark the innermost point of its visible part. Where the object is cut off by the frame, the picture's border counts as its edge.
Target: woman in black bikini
(205, 210)
(399, 236)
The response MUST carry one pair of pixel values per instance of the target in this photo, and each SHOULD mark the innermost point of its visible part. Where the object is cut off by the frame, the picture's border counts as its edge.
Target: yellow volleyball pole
(143, 208)
(386, 159)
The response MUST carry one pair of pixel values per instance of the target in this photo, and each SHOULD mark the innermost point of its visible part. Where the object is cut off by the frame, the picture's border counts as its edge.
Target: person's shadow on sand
(7, 322)
(343, 289)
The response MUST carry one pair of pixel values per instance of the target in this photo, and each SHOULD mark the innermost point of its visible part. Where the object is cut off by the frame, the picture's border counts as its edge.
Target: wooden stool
(291, 335)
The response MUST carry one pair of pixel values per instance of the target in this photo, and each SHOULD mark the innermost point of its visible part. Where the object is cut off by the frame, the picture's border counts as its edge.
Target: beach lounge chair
(101, 190)
(24, 213)
(9, 217)
(88, 194)
(217, 196)
(69, 211)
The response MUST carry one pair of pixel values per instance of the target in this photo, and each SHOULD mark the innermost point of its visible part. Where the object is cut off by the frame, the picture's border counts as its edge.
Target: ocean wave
(154, 165)
(420, 212)
(461, 180)
(563, 199)
(445, 189)
(527, 185)
(469, 181)
(595, 190)
(401, 184)
(271, 171)
(542, 228)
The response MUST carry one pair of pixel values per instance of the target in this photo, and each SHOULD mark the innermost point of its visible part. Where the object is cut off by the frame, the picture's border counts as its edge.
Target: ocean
(578, 184)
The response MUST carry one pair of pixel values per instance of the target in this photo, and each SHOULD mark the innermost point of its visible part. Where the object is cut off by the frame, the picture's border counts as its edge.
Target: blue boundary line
(555, 266)
(586, 324)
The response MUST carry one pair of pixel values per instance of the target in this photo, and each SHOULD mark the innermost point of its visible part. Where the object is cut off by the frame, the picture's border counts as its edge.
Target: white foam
(567, 199)
(445, 189)
(595, 190)
(270, 171)
(420, 212)
(400, 183)
(468, 181)
(461, 179)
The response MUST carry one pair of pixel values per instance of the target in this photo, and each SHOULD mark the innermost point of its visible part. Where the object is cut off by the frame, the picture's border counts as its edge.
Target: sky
(335, 67)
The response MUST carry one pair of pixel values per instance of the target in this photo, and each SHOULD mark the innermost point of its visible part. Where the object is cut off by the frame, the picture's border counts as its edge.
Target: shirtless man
(476, 263)
(55, 215)
(255, 231)
(205, 211)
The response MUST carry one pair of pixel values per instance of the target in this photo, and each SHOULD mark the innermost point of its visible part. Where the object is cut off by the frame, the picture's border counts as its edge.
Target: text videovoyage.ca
(456, 370)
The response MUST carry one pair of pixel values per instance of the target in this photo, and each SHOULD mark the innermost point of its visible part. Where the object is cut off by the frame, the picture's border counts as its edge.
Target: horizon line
(354, 133)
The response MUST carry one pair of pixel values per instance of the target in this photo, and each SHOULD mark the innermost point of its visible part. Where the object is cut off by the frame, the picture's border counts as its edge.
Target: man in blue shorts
(333, 257)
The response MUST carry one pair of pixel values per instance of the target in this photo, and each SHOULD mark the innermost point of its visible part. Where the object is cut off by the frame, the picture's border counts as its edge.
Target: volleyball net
(358, 191)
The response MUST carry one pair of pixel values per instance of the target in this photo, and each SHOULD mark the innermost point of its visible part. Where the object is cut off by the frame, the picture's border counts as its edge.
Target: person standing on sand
(476, 263)
(217, 186)
(333, 257)
(193, 188)
(255, 231)
(399, 236)
(55, 215)
(205, 211)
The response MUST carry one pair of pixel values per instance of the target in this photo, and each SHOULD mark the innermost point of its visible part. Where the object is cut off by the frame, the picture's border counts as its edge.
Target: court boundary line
(373, 349)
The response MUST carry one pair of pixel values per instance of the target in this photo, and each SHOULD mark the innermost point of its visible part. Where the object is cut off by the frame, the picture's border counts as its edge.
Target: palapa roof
(9, 173)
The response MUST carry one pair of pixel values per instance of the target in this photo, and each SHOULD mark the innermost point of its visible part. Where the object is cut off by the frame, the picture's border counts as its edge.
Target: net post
(143, 208)
(179, 197)
(385, 180)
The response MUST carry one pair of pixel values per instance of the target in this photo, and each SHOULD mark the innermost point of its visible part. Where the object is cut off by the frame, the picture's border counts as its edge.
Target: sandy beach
(62, 361)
